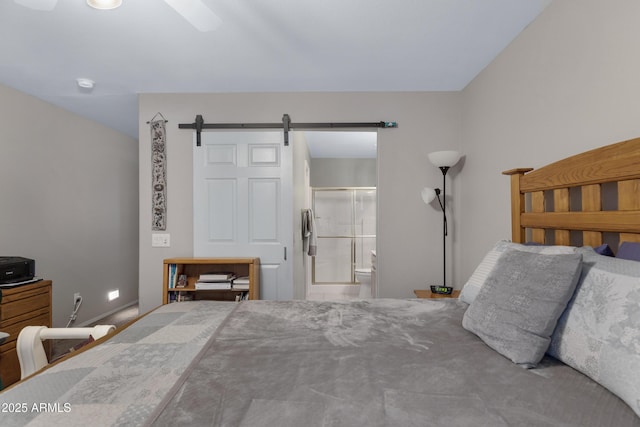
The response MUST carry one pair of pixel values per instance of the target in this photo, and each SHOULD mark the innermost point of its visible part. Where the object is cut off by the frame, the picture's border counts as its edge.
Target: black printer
(15, 269)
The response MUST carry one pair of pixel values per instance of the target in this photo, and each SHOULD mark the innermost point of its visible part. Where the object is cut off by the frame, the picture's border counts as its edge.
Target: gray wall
(348, 172)
(567, 84)
(409, 249)
(70, 201)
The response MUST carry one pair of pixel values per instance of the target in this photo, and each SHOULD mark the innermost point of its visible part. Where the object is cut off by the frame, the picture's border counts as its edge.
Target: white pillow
(599, 332)
(479, 276)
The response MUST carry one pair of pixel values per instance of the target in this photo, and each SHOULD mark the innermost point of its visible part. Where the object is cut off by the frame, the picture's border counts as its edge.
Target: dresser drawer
(9, 367)
(19, 306)
(9, 362)
(38, 318)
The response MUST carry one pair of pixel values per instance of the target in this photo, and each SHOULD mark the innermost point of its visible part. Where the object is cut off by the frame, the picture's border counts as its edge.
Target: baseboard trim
(108, 313)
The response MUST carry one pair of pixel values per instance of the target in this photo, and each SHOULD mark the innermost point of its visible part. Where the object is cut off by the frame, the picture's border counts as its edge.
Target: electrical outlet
(160, 240)
(76, 298)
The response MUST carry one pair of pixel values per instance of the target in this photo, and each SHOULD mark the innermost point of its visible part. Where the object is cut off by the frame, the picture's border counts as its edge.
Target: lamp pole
(444, 170)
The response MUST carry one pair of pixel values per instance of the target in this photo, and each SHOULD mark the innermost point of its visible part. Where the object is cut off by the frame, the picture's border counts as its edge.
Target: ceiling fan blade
(196, 13)
(46, 5)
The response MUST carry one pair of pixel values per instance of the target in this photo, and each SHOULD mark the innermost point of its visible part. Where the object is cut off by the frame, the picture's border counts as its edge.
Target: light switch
(160, 240)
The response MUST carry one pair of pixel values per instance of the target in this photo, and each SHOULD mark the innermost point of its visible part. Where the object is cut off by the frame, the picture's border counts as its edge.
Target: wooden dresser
(25, 305)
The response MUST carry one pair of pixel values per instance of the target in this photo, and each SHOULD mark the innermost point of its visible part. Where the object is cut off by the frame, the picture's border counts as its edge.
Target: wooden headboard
(587, 199)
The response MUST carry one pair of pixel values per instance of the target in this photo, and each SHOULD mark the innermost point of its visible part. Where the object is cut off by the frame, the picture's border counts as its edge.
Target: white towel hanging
(309, 238)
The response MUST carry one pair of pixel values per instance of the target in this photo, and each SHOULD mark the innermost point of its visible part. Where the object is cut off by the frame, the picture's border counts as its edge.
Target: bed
(543, 334)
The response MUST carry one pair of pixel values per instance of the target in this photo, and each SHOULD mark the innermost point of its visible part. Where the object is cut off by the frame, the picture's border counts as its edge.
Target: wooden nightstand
(426, 293)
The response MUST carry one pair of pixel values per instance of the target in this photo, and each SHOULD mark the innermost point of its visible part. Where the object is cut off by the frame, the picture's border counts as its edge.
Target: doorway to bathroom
(342, 195)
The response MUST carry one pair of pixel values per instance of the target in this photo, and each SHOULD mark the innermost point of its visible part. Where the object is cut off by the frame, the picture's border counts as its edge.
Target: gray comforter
(303, 363)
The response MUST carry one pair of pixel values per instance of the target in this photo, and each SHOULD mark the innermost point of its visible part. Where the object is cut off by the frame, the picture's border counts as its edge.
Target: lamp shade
(428, 194)
(444, 158)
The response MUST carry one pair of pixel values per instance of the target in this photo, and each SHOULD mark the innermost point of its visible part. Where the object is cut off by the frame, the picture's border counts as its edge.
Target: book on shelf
(213, 285)
(173, 275)
(180, 296)
(216, 277)
(241, 283)
(244, 296)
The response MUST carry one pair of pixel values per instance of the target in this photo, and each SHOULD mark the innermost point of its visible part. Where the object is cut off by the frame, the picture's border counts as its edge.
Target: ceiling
(146, 46)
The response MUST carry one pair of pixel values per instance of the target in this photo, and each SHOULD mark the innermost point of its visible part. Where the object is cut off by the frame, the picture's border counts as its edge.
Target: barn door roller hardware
(286, 125)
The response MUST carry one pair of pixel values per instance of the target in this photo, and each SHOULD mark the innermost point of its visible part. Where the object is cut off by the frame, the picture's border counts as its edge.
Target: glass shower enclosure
(346, 230)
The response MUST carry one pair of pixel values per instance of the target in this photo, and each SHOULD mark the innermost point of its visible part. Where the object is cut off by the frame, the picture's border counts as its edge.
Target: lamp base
(442, 290)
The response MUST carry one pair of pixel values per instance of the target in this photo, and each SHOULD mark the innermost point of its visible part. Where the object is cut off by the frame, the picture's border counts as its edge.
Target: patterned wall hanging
(158, 173)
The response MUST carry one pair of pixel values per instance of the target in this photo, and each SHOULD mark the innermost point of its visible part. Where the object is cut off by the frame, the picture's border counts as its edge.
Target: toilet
(363, 275)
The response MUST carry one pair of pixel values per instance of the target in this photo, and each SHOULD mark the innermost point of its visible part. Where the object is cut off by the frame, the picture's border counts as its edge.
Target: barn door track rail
(286, 125)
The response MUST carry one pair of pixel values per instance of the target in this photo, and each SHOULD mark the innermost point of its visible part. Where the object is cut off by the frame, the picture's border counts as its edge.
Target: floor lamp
(443, 160)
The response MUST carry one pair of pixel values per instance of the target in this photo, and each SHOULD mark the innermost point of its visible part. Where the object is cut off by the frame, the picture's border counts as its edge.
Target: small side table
(426, 293)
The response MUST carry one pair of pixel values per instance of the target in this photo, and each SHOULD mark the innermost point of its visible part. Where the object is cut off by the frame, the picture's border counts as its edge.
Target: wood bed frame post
(561, 204)
(629, 200)
(517, 204)
(591, 202)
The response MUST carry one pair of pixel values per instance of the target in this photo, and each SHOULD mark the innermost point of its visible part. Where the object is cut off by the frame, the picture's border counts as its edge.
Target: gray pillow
(518, 307)
(476, 281)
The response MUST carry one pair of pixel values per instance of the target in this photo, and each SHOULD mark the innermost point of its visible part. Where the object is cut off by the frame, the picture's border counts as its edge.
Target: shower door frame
(354, 236)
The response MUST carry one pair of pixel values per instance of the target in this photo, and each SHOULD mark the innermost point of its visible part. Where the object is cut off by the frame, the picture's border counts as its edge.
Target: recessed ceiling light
(85, 83)
(104, 4)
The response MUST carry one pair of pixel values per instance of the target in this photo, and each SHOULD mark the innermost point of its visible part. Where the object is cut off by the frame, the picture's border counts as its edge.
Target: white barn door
(242, 203)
